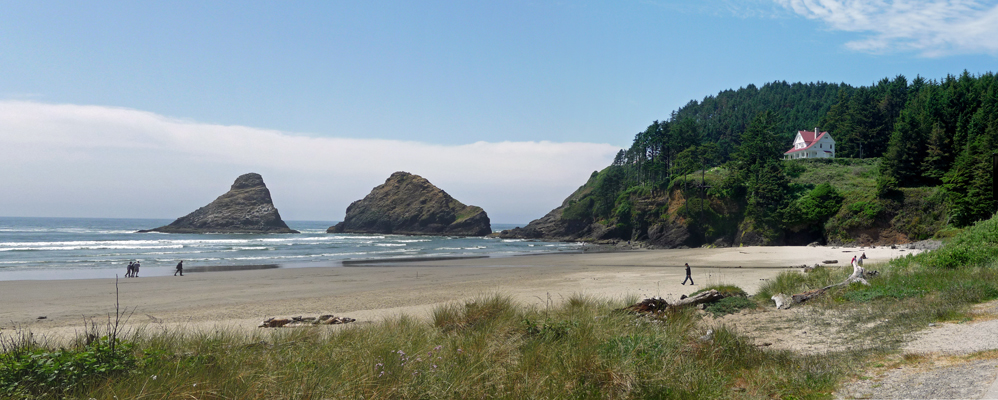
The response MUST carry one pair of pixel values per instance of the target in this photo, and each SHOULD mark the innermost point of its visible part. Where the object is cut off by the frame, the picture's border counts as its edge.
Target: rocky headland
(408, 204)
(676, 217)
(245, 208)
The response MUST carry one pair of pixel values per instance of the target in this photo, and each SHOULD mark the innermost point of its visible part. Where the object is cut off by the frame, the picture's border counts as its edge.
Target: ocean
(85, 248)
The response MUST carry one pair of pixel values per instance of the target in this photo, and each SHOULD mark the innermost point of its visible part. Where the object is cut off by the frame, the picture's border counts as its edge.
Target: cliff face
(847, 211)
(245, 208)
(565, 223)
(408, 204)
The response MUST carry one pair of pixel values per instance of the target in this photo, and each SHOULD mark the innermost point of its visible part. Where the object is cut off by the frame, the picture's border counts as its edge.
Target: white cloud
(72, 160)
(932, 28)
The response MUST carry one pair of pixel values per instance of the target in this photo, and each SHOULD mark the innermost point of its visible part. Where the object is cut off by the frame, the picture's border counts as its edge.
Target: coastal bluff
(245, 208)
(408, 204)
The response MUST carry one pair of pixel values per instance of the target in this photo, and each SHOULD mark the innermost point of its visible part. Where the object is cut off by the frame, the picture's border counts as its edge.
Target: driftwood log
(304, 321)
(859, 274)
(657, 305)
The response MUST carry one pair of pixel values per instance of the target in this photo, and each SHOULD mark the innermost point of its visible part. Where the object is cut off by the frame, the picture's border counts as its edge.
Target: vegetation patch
(28, 370)
(730, 305)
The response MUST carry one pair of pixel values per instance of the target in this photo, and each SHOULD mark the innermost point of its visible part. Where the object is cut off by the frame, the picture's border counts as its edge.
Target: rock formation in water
(245, 208)
(408, 204)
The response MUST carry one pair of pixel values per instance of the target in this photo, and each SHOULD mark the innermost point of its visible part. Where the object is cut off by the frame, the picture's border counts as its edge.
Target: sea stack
(408, 204)
(245, 208)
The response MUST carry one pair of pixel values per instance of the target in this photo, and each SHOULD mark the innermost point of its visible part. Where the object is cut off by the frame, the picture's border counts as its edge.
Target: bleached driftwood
(304, 321)
(781, 301)
(702, 297)
(859, 274)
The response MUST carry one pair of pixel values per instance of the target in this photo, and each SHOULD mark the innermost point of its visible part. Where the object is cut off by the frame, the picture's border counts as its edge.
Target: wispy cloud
(737, 8)
(933, 28)
(101, 161)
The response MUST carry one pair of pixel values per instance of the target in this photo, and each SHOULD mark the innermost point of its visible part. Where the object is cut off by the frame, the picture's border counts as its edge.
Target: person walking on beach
(131, 267)
(180, 268)
(689, 277)
(135, 270)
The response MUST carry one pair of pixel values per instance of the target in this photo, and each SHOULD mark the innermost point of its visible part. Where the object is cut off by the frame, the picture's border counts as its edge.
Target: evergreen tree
(758, 167)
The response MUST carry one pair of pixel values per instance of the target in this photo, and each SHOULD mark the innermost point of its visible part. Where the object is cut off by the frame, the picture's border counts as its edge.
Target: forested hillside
(913, 159)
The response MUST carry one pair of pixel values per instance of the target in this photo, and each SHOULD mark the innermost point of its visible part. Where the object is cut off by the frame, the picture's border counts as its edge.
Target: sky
(152, 109)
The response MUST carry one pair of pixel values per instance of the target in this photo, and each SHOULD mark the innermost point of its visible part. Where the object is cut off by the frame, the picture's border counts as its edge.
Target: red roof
(809, 140)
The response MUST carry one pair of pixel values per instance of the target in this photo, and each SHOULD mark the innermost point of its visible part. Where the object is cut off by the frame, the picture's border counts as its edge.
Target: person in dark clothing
(131, 268)
(688, 276)
(180, 269)
(135, 270)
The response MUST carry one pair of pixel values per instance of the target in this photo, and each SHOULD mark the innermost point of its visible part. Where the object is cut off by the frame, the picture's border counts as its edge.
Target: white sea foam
(93, 247)
(36, 246)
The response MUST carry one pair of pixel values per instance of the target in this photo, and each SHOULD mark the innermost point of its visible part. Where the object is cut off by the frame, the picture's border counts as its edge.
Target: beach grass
(487, 348)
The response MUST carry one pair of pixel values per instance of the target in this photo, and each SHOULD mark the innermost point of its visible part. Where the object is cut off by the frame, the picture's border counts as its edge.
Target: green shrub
(975, 246)
(866, 209)
(730, 305)
(45, 372)
(724, 289)
(813, 208)
(579, 210)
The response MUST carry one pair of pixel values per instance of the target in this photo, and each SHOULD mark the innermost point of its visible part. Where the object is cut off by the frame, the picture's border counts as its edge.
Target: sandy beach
(370, 292)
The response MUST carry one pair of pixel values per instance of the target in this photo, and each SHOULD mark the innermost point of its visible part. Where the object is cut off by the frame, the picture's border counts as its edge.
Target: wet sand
(372, 291)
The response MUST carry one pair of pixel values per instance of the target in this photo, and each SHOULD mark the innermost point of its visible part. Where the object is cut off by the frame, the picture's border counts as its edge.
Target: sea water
(81, 248)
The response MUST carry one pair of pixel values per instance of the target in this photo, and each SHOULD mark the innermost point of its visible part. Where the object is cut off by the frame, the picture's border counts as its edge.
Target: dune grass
(487, 348)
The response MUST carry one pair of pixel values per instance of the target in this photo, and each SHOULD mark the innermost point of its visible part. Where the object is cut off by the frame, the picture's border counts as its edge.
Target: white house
(809, 144)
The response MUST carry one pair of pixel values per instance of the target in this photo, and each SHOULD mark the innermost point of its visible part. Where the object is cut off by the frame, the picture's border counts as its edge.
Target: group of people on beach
(133, 269)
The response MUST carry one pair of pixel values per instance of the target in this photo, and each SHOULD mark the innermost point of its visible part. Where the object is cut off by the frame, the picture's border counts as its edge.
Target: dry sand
(368, 293)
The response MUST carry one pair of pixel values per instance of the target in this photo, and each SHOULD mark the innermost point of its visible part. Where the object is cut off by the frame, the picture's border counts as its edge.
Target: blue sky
(557, 80)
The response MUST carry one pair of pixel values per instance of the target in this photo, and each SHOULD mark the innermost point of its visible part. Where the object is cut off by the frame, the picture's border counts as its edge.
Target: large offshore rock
(245, 208)
(408, 204)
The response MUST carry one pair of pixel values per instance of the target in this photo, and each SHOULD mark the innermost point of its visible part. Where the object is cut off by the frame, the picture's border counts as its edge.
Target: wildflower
(438, 348)
(458, 350)
(434, 366)
(419, 359)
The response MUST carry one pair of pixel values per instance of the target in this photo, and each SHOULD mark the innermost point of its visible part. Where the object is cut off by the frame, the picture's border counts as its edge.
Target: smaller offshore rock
(408, 204)
(245, 208)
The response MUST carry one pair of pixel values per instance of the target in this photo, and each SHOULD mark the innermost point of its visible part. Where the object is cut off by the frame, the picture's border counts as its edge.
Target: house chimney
(816, 131)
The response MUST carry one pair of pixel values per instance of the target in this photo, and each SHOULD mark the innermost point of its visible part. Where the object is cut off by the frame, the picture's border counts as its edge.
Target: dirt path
(945, 361)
